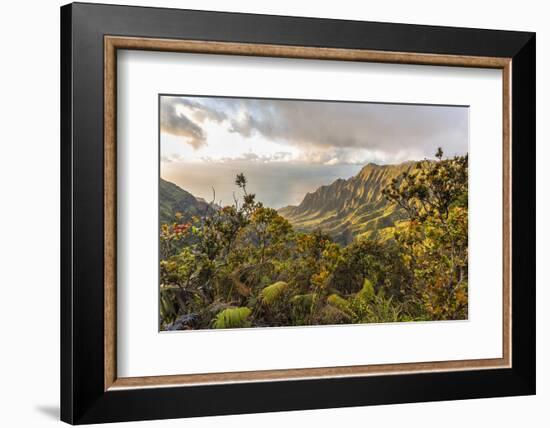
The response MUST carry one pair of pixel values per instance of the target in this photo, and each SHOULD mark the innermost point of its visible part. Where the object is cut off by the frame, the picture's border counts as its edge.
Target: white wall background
(29, 215)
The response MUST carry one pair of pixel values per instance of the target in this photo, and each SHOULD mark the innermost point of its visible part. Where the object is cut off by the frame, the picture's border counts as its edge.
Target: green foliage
(378, 309)
(304, 301)
(244, 265)
(340, 303)
(232, 318)
(270, 294)
(168, 306)
(434, 242)
(367, 292)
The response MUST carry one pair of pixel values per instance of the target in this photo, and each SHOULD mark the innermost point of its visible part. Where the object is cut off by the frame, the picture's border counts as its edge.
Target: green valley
(349, 208)
(389, 244)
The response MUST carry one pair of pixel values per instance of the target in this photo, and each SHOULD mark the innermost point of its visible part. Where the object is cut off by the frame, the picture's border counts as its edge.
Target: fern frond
(333, 315)
(367, 292)
(273, 292)
(304, 300)
(168, 307)
(340, 303)
(232, 318)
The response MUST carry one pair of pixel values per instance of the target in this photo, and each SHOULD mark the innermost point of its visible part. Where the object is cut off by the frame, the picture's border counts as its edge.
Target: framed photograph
(266, 213)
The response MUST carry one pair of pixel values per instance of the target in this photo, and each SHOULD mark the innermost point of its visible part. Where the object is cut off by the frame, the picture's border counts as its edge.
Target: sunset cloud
(287, 148)
(177, 123)
(323, 131)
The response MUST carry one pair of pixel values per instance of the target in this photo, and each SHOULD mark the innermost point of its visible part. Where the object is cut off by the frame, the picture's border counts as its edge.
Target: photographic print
(284, 213)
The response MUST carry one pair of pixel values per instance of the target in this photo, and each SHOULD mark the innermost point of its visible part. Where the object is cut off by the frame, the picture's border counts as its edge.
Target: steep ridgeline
(174, 199)
(352, 207)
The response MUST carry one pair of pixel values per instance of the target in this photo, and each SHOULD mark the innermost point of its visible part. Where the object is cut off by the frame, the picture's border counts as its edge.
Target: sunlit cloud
(314, 131)
(289, 147)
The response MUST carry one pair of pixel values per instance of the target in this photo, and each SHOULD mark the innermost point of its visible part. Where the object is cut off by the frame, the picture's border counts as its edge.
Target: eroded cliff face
(347, 208)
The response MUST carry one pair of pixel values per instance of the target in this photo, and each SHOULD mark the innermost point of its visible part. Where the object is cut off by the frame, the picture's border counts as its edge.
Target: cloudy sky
(287, 148)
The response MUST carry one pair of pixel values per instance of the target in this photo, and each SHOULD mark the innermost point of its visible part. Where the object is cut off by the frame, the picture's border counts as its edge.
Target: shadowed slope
(174, 199)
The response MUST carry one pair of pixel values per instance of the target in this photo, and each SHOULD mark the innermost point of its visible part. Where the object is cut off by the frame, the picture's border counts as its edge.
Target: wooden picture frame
(91, 390)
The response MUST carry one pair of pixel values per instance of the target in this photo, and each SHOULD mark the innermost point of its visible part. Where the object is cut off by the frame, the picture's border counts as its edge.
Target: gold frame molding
(113, 43)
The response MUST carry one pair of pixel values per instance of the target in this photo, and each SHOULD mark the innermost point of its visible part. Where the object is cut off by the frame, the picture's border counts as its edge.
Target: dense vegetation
(173, 199)
(244, 265)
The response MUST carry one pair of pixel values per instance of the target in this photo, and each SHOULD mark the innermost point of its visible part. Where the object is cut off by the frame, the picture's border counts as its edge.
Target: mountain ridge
(345, 208)
(350, 207)
(174, 199)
